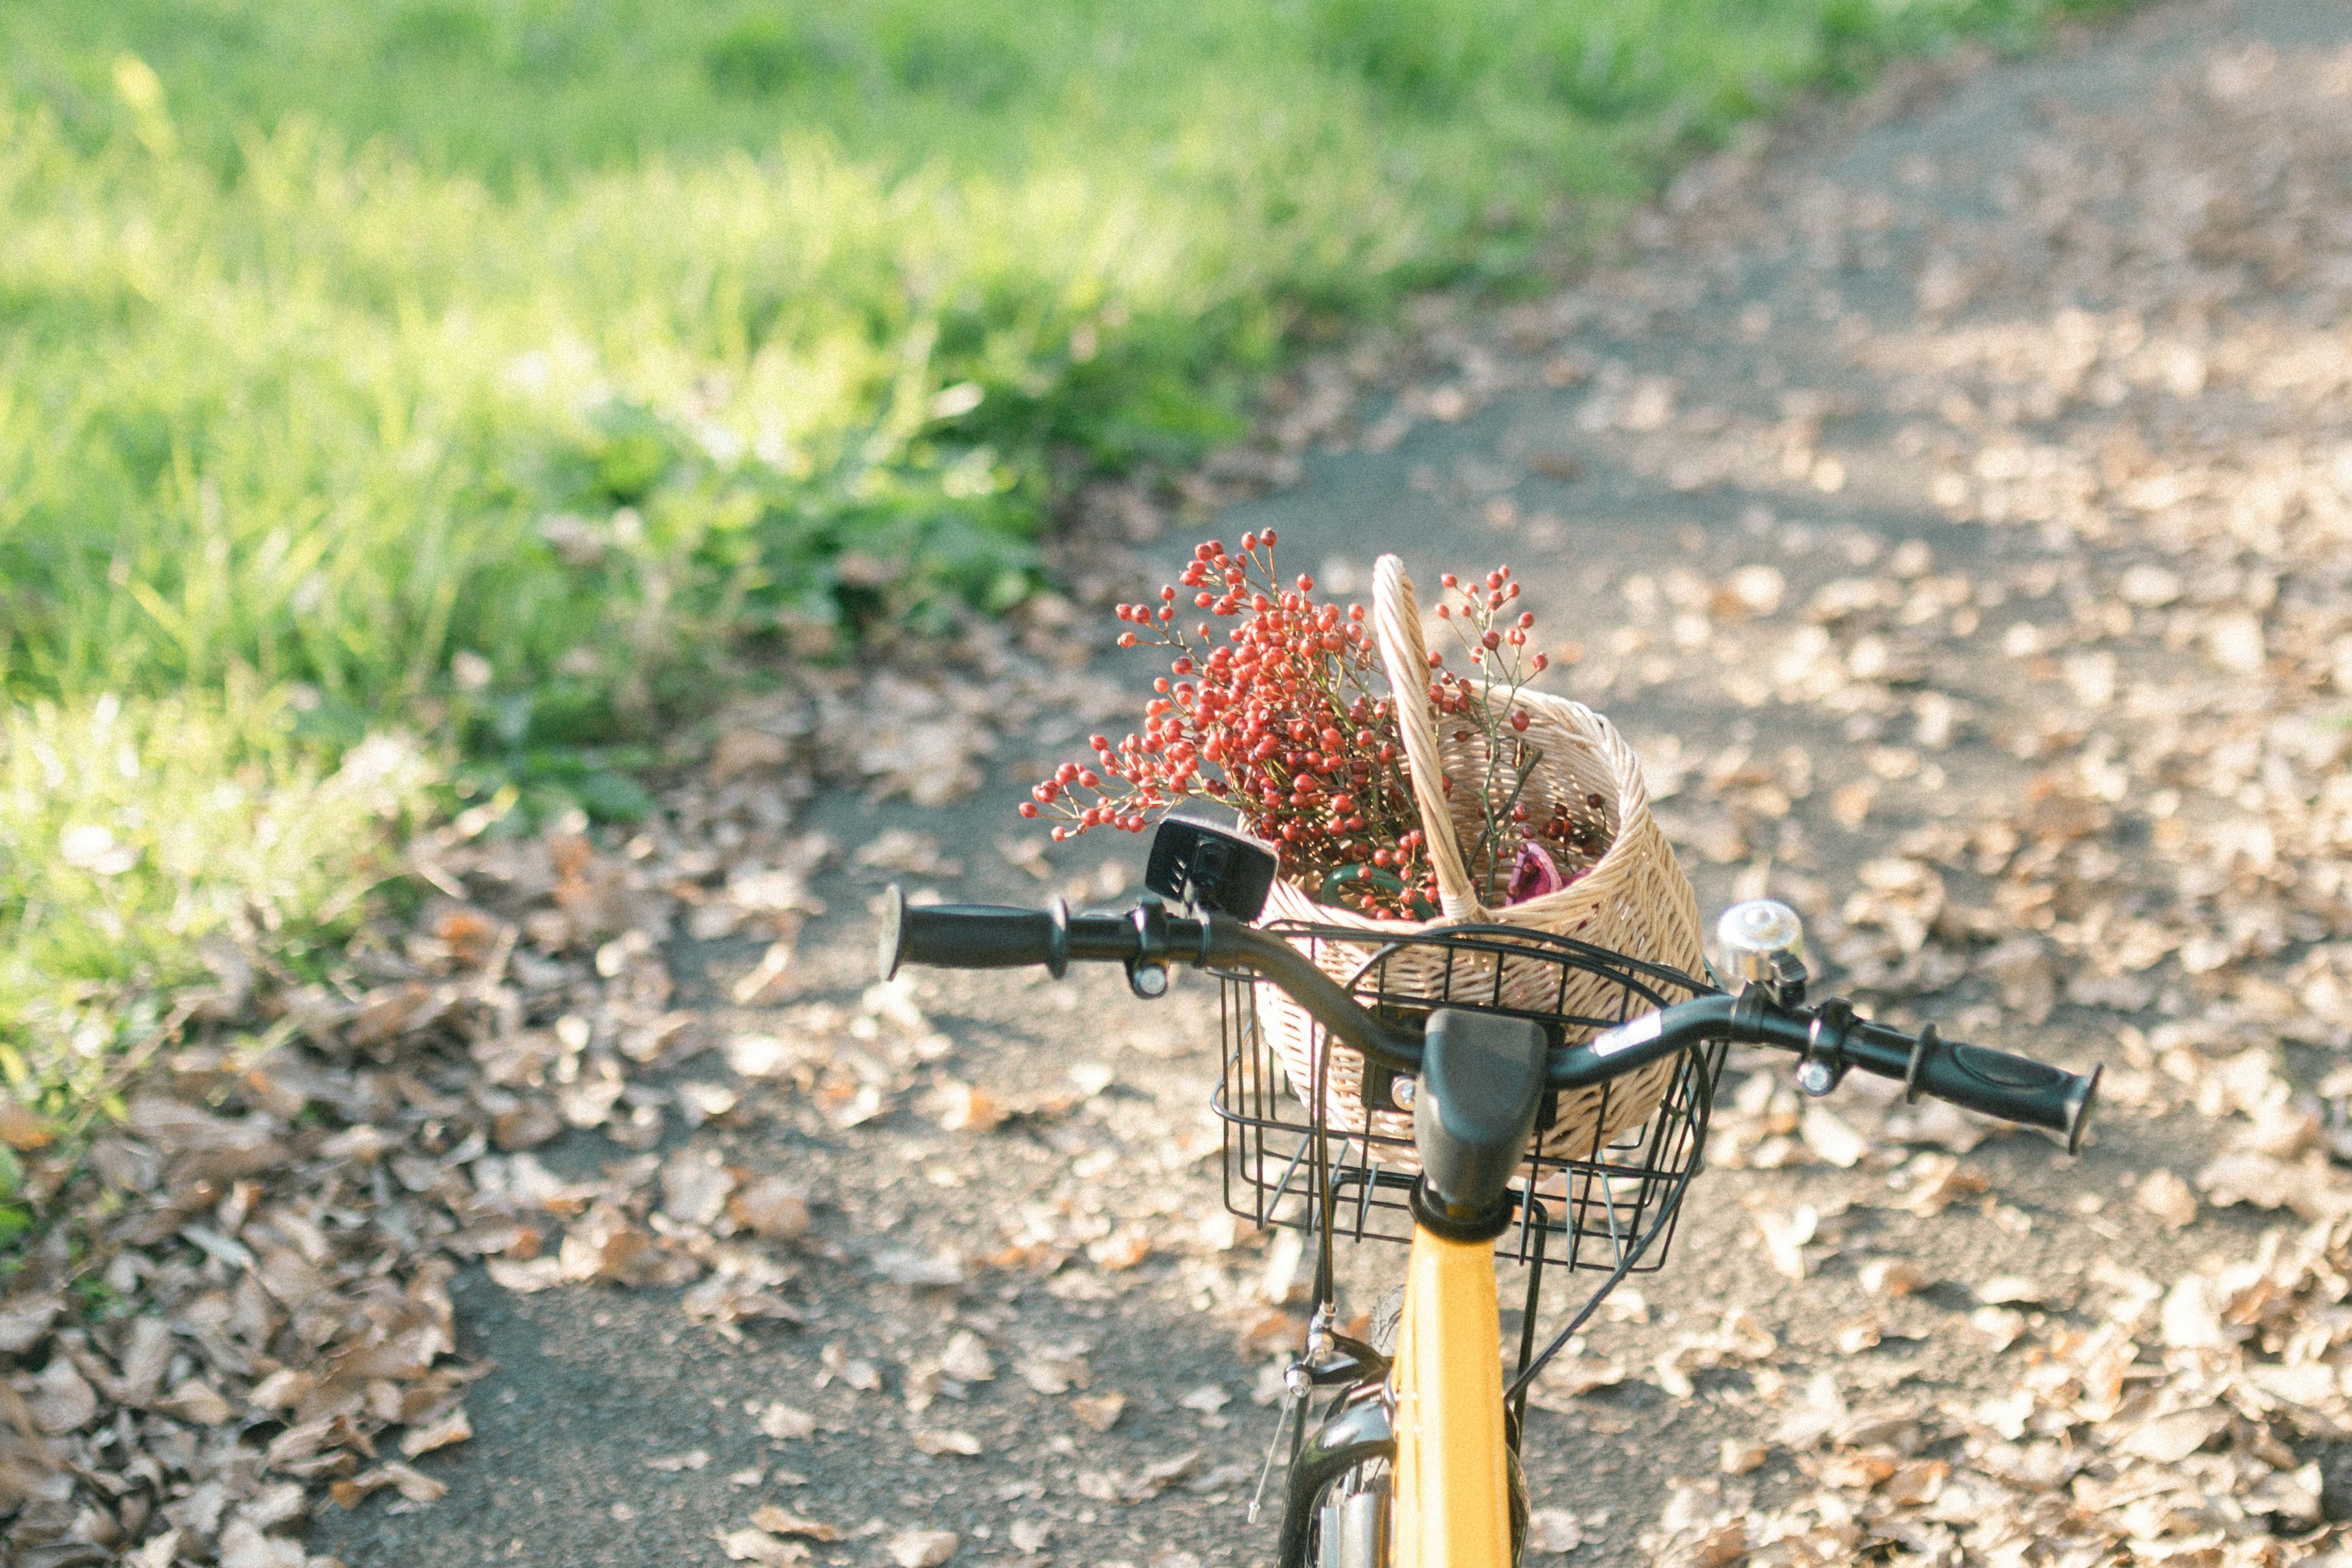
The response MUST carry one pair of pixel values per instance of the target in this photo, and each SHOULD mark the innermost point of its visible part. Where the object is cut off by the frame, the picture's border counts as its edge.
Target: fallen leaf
(2168, 1198)
(1891, 1277)
(771, 1208)
(922, 1547)
(856, 1371)
(962, 1108)
(2169, 1439)
(197, 1401)
(966, 1358)
(1208, 1399)
(1831, 1139)
(783, 1521)
(453, 1427)
(1099, 1411)
(2001, 1326)
(2010, 1287)
(759, 1546)
(1554, 1532)
(934, 1442)
(785, 1423)
(61, 1400)
(1785, 1236)
(923, 1271)
(1120, 1250)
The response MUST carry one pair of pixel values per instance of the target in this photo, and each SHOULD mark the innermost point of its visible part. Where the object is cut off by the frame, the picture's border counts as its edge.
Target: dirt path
(1954, 510)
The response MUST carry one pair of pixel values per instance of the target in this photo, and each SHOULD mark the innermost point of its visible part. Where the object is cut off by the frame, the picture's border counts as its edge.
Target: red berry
(1519, 719)
(1126, 639)
(1267, 538)
(1028, 808)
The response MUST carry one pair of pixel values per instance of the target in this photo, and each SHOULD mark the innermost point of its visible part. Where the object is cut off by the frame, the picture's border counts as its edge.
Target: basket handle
(1396, 627)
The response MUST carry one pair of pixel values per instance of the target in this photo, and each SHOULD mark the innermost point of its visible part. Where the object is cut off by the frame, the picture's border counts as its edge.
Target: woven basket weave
(1634, 900)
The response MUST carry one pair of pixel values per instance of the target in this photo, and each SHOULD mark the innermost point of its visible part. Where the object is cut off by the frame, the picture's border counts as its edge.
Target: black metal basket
(1284, 1165)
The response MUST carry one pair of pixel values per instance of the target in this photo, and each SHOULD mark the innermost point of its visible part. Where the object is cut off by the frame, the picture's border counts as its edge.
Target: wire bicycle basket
(1590, 1202)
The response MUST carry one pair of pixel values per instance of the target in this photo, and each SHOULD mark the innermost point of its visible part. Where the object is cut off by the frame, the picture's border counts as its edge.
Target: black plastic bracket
(1823, 1064)
(1147, 971)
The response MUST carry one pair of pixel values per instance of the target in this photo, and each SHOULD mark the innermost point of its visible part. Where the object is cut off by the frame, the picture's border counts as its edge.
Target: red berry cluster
(1279, 715)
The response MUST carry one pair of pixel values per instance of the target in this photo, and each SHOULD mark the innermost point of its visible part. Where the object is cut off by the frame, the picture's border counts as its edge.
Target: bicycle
(1415, 1463)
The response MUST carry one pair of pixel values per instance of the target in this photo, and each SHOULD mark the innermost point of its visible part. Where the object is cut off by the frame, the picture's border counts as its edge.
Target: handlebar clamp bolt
(1149, 981)
(1401, 1090)
(1816, 1076)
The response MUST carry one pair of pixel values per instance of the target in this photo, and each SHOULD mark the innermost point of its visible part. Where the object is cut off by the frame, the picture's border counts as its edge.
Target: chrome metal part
(1354, 1528)
(1763, 942)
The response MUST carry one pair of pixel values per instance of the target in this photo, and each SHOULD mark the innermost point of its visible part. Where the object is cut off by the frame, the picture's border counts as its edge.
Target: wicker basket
(1634, 900)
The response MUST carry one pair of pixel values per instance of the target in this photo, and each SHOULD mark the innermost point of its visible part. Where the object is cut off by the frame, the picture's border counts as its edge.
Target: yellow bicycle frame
(1450, 1498)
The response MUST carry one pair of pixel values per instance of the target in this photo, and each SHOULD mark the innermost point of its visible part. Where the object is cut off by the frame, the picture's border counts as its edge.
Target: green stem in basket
(1530, 757)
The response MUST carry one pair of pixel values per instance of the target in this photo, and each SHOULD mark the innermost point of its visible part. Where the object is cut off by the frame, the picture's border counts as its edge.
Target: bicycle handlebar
(1827, 1035)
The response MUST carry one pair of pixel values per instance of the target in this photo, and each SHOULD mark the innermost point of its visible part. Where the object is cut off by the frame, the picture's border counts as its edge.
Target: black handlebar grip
(973, 936)
(2015, 1089)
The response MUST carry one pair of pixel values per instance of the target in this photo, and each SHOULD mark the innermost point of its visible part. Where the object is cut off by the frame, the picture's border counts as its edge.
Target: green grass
(496, 370)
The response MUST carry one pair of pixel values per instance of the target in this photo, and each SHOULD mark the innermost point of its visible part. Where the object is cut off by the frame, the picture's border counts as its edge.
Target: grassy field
(490, 371)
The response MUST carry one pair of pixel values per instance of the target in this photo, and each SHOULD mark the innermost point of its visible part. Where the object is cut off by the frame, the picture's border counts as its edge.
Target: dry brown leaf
(1739, 1457)
(413, 1484)
(759, 1546)
(2008, 1288)
(924, 1270)
(784, 1424)
(453, 1427)
(2169, 1439)
(196, 1401)
(1052, 1373)
(1121, 1249)
(62, 1399)
(783, 1521)
(772, 1208)
(1785, 1236)
(1891, 1277)
(922, 1547)
(1554, 1532)
(2167, 1197)
(1829, 1139)
(962, 1108)
(1099, 1411)
(967, 1359)
(2001, 1326)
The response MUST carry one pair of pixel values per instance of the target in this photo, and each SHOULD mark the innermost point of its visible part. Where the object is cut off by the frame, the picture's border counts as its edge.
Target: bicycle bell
(1764, 942)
